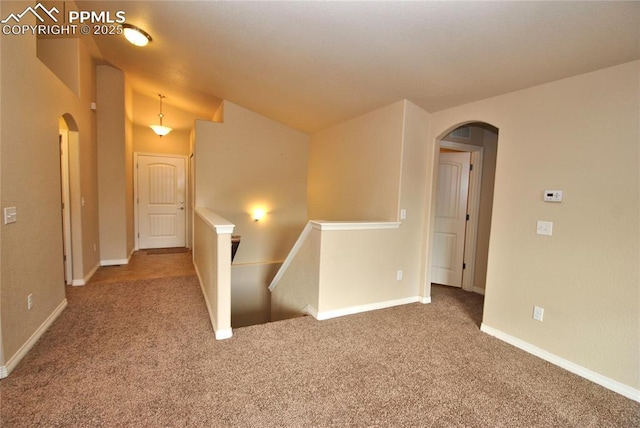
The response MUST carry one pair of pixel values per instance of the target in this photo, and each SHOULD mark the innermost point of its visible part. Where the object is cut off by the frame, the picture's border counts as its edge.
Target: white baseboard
(114, 262)
(87, 277)
(224, 334)
(615, 386)
(310, 310)
(18, 356)
(425, 299)
(117, 262)
(325, 315)
(220, 334)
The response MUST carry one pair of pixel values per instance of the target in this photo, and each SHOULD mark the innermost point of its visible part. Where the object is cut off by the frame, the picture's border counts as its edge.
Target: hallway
(148, 264)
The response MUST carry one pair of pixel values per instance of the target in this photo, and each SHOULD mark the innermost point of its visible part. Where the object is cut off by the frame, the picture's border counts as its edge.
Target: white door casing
(66, 206)
(450, 218)
(161, 201)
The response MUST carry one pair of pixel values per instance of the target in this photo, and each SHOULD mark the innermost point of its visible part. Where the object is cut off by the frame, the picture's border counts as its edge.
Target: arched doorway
(463, 200)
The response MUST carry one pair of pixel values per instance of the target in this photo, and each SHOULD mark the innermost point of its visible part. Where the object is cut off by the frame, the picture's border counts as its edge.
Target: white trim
(115, 262)
(325, 315)
(18, 356)
(219, 334)
(219, 224)
(86, 278)
(224, 334)
(355, 225)
(273, 262)
(425, 299)
(310, 310)
(478, 290)
(613, 385)
(294, 250)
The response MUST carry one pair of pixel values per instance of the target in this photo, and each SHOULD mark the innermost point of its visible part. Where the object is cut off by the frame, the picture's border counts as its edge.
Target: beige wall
(579, 135)
(299, 284)
(370, 168)
(115, 173)
(249, 161)
(145, 113)
(61, 56)
(358, 267)
(354, 168)
(33, 99)
(146, 141)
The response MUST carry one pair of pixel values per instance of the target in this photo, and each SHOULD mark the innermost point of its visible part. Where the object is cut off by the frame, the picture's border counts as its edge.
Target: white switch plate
(403, 214)
(538, 313)
(544, 228)
(399, 275)
(10, 215)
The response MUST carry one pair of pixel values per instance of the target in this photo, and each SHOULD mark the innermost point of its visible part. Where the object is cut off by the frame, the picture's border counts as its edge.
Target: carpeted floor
(142, 354)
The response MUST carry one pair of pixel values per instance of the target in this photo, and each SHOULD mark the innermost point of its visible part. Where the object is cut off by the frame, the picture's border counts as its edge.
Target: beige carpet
(142, 354)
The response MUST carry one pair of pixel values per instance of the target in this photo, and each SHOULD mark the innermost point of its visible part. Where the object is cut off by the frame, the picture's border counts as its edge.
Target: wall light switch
(538, 313)
(403, 214)
(10, 215)
(544, 228)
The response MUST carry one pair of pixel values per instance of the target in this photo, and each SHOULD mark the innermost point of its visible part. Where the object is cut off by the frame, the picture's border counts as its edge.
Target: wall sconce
(161, 130)
(258, 214)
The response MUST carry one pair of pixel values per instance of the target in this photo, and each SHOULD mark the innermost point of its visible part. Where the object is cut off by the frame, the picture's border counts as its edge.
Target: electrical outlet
(538, 313)
(399, 275)
(29, 302)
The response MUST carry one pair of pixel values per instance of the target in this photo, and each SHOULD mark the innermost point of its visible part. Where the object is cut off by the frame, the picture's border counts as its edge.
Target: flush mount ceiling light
(160, 129)
(135, 35)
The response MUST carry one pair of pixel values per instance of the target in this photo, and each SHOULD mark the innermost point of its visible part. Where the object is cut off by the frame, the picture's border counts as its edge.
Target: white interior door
(451, 218)
(161, 192)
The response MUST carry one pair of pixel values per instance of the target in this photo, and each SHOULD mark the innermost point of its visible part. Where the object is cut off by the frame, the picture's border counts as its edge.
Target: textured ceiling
(313, 64)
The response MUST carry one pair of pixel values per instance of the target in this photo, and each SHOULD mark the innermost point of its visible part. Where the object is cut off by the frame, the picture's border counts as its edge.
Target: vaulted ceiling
(313, 64)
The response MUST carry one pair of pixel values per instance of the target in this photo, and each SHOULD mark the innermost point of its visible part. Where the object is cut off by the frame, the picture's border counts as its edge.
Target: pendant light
(160, 129)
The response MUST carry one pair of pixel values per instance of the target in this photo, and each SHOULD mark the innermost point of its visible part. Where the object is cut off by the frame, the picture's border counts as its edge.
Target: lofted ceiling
(312, 64)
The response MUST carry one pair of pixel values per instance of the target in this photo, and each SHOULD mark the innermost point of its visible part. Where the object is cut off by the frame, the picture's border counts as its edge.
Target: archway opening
(463, 199)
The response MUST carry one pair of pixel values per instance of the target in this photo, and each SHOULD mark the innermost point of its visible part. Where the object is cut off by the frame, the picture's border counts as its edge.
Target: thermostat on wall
(553, 195)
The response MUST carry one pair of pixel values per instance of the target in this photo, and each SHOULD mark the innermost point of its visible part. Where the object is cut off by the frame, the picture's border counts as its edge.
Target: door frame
(473, 208)
(67, 246)
(187, 215)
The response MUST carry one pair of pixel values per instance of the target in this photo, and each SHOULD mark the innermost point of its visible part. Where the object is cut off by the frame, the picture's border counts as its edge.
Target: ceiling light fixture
(135, 35)
(160, 129)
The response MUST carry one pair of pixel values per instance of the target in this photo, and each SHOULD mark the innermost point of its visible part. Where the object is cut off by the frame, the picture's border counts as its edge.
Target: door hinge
(138, 235)
(471, 167)
(464, 266)
(64, 258)
(467, 217)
